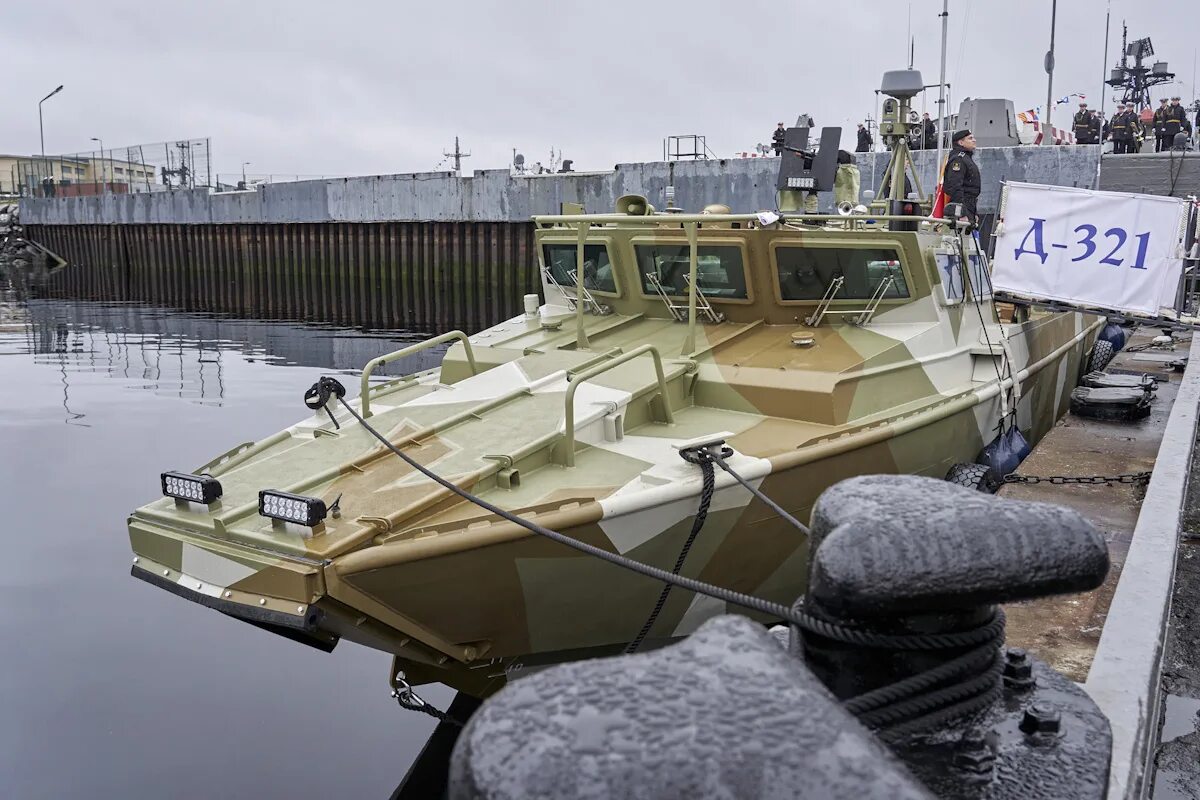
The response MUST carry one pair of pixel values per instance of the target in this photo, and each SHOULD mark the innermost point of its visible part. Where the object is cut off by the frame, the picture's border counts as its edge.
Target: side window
(719, 269)
(560, 261)
(805, 273)
(981, 281)
(952, 277)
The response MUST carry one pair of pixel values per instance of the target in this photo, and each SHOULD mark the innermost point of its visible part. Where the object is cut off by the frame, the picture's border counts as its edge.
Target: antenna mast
(942, 112)
(458, 155)
(1137, 80)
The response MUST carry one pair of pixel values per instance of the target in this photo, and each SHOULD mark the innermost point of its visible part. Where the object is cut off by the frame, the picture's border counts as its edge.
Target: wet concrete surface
(1177, 758)
(1064, 631)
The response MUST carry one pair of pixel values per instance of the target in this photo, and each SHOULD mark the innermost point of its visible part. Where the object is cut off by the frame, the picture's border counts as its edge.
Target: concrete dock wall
(746, 185)
(424, 276)
(424, 251)
(1174, 174)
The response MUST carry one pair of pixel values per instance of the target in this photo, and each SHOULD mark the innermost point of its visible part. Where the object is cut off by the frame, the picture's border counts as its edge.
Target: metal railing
(365, 388)
(671, 220)
(575, 380)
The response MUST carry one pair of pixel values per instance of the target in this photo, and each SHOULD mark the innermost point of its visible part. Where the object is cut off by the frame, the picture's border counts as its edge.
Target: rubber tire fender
(1102, 354)
(973, 476)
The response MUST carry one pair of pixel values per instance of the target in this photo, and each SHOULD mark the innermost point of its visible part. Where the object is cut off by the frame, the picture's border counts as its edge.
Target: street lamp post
(1048, 138)
(103, 171)
(41, 129)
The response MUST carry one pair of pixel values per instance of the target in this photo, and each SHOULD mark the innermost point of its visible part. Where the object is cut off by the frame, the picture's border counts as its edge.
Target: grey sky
(352, 87)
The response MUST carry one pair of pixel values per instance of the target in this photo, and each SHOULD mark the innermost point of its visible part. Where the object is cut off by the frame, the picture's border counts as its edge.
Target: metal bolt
(166, 572)
(974, 756)
(262, 601)
(300, 609)
(1041, 718)
(199, 585)
(229, 594)
(1018, 670)
(136, 559)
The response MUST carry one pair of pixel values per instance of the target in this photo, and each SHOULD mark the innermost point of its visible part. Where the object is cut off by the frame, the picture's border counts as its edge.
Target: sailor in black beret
(961, 181)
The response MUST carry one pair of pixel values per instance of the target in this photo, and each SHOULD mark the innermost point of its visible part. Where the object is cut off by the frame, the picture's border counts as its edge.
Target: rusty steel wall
(427, 276)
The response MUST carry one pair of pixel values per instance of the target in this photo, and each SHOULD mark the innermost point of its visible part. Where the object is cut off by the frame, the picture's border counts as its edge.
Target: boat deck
(1065, 631)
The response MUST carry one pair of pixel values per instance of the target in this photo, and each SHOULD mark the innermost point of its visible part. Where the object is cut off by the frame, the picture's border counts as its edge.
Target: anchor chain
(1132, 478)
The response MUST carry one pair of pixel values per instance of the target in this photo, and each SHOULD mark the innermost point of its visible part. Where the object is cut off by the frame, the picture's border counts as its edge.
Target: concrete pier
(428, 251)
(1112, 640)
(744, 184)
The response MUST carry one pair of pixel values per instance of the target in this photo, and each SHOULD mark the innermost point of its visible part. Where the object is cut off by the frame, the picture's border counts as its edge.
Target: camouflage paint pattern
(464, 598)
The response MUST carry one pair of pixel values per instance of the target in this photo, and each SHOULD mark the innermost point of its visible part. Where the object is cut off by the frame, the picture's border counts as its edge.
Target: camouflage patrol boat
(817, 347)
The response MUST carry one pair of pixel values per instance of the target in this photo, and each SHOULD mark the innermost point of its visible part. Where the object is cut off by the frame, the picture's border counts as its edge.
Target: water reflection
(110, 687)
(183, 355)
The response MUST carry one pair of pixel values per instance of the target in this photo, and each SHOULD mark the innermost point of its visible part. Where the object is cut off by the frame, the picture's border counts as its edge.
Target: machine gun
(803, 171)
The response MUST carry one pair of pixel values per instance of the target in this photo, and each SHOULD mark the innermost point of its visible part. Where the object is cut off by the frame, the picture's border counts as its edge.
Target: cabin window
(561, 261)
(952, 277)
(719, 270)
(806, 272)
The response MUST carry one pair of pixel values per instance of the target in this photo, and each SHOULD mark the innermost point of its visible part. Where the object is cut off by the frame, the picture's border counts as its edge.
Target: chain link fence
(237, 181)
(139, 168)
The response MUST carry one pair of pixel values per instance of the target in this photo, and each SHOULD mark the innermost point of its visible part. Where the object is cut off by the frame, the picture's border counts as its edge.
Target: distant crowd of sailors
(1130, 130)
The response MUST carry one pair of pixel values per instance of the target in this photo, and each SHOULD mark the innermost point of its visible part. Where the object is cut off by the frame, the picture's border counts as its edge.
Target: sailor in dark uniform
(864, 140)
(1160, 115)
(1174, 121)
(962, 181)
(777, 139)
(1083, 125)
(1119, 129)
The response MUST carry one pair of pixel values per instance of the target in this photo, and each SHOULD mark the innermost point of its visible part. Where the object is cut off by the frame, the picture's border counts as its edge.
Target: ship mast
(942, 115)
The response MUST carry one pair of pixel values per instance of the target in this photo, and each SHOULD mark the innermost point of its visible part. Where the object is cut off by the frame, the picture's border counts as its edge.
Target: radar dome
(902, 83)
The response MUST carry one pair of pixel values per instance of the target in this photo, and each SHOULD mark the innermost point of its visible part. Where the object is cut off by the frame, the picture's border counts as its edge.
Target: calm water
(110, 687)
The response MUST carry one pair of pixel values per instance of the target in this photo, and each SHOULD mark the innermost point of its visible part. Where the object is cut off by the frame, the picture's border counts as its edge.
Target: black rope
(704, 459)
(967, 664)
(889, 708)
(950, 713)
(955, 700)
(965, 265)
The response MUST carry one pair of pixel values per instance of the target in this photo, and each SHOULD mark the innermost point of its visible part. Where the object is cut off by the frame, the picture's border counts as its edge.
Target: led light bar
(291, 507)
(195, 488)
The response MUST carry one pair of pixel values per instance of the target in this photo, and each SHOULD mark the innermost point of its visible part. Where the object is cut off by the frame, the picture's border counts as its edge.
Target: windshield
(560, 262)
(806, 272)
(719, 270)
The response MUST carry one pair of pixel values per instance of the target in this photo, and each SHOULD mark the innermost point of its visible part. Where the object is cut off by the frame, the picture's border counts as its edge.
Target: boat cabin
(777, 270)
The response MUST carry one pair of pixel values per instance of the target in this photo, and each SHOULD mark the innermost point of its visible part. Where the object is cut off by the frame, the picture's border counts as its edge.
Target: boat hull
(472, 606)
(524, 601)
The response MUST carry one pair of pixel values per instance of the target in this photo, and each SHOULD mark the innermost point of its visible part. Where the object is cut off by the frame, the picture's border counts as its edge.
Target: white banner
(1097, 249)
